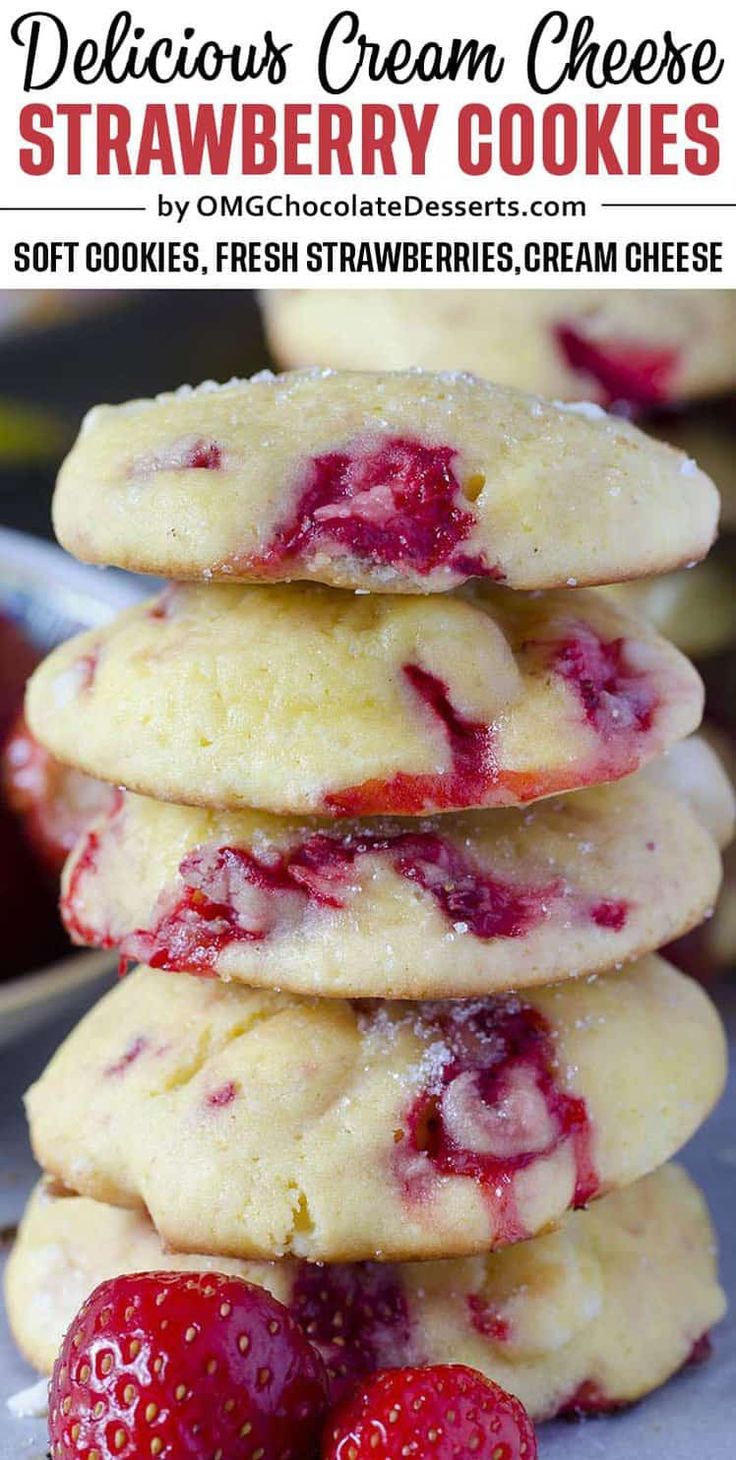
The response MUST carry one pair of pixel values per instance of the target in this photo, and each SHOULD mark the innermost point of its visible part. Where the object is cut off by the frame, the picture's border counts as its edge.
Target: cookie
(54, 802)
(450, 906)
(302, 699)
(405, 482)
(642, 347)
(695, 607)
(261, 1125)
(585, 1319)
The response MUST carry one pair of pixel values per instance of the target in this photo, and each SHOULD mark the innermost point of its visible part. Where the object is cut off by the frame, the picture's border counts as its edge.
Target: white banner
(172, 144)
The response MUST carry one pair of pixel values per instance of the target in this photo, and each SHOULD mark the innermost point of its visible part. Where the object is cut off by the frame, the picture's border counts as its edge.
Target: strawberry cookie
(587, 1318)
(302, 699)
(405, 482)
(644, 348)
(242, 1120)
(443, 907)
(54, 802)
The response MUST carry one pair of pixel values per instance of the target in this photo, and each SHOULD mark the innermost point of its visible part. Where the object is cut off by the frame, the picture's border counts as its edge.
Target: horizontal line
(668, 205)
(70, 208)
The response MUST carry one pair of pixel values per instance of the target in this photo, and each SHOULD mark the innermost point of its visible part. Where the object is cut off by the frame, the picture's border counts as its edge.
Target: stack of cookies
(397, 841)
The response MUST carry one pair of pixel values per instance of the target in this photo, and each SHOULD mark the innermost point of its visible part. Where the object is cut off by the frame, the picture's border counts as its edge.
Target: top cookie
(639, 347)
(403, 482)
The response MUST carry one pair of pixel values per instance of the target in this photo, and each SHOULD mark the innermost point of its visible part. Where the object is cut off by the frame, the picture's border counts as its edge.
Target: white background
(510, 26)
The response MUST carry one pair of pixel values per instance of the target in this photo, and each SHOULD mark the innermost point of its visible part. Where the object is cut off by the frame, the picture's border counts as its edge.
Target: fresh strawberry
(185, 1366)
(448, 1412)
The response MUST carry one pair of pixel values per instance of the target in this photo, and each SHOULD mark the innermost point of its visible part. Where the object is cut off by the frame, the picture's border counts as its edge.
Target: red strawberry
(185, 1366)
(449, 1412)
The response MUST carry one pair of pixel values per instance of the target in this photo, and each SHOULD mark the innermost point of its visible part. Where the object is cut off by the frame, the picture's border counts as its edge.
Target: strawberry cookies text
(554, 125)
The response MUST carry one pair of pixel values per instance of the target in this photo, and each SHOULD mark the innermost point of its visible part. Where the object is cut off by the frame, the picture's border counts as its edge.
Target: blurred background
(62, 352)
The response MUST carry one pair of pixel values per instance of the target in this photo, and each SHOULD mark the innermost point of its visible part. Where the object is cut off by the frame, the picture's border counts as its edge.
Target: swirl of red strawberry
(185, 1366)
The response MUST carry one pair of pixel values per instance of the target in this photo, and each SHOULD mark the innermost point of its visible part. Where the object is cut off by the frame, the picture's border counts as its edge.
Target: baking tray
(692, 1418)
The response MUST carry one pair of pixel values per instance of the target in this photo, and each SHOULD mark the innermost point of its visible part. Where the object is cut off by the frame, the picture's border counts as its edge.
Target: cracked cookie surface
(345, 1131)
